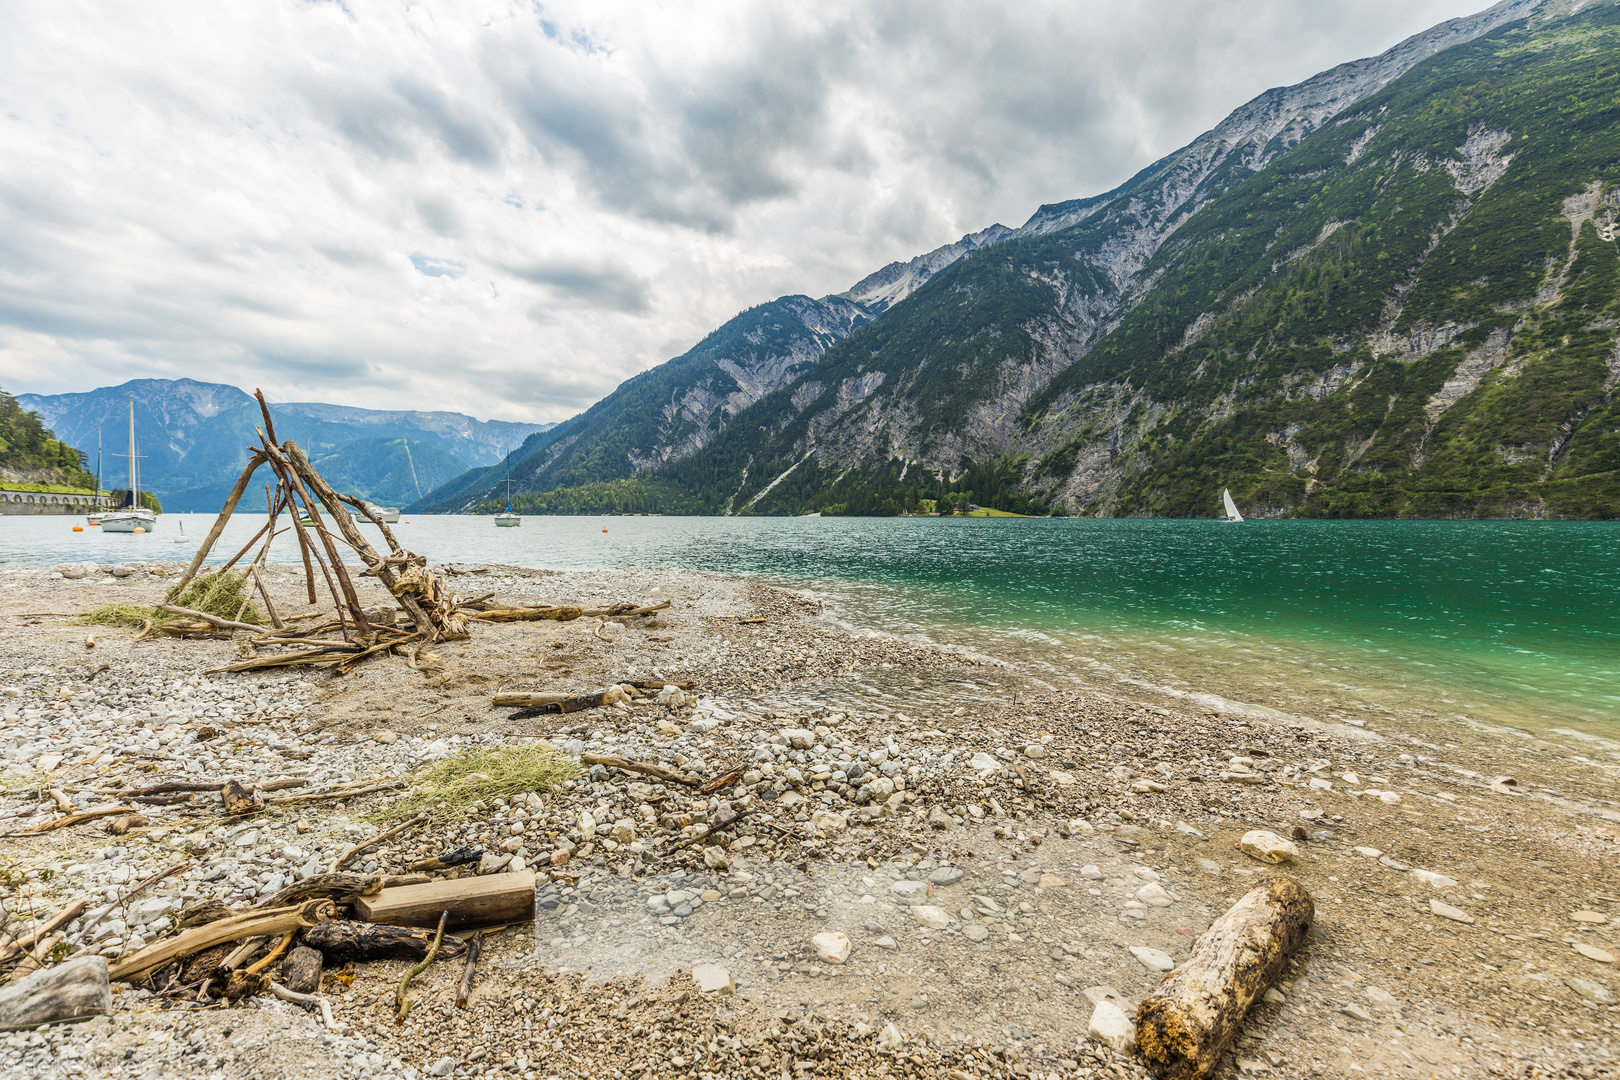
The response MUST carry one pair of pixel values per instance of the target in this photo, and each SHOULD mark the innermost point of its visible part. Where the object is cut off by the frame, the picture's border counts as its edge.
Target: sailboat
(134, 517)
(1231, 507)
(388, 515)
(508, 520)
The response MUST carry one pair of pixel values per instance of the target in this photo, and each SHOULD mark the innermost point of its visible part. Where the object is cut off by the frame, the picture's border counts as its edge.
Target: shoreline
(998, 985)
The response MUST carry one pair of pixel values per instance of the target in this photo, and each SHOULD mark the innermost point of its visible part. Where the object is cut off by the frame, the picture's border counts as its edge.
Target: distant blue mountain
(193, 439)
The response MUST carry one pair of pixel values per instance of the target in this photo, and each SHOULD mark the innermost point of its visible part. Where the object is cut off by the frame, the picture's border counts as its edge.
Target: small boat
(182, 538)
(388, 515)
(133, 518)
(1231, 507)
(508, 520)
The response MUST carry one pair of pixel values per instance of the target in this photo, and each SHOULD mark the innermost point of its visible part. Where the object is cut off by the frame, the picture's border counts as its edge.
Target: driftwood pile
(323, 523)
(282, 944)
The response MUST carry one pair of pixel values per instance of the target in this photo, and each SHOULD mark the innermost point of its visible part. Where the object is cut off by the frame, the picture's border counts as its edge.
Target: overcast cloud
(508, 208)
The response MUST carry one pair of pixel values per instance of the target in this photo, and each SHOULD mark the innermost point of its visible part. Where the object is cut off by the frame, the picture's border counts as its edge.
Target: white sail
(1231, 507)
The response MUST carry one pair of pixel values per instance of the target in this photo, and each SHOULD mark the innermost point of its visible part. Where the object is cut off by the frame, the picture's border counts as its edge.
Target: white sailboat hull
(507, 521)
(127, 521)
(385, 514)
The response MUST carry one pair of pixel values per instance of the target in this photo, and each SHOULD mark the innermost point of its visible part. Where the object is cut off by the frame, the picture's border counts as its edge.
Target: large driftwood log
(73, 990)
(301, 971)
(561, 613)
(213, 620)
(1184, 1026)
(561, 703)
(252, 923)
(471, 901)
(344, 942)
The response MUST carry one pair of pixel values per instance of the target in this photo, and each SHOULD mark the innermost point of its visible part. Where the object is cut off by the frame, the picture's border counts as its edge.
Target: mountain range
(1387, 290)
(193, 438)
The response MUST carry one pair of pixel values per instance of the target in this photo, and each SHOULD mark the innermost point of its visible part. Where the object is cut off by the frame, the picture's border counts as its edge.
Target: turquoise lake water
(1502, 623)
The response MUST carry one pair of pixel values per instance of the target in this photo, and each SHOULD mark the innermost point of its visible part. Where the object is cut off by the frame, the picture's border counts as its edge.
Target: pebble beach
(940, 864)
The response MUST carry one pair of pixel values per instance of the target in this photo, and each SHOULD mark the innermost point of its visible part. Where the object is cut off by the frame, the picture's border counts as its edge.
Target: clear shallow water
(1513, 623)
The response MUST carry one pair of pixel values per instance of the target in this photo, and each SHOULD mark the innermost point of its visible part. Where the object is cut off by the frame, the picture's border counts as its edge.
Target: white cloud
(507, 208)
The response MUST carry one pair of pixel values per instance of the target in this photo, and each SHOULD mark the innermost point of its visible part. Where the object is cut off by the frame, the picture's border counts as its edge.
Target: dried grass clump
(446, 789)
(218, 593)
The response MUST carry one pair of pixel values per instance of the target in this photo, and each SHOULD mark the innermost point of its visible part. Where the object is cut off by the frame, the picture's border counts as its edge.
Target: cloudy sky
(507, 208)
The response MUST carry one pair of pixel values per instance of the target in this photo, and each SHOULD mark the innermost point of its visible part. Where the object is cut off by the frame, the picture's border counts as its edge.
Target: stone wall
(45, 502)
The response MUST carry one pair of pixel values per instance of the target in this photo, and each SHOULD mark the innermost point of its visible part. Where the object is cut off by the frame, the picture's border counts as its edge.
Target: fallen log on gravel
(1184, 1026)
(564, 613)
(252, 923)
(561, 702)
(349, 942)
(471, 901)
(75, 990)
(614, 761)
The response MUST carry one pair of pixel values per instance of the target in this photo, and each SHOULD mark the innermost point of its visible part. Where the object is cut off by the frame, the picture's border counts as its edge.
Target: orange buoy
(604, 530)
(78, 528)
(139, 529)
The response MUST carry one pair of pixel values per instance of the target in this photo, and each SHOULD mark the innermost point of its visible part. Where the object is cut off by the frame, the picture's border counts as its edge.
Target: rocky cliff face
(881, 290)
(973, 348)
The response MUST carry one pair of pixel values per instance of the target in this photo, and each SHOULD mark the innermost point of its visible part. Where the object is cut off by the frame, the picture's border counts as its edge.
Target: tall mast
(134, 474)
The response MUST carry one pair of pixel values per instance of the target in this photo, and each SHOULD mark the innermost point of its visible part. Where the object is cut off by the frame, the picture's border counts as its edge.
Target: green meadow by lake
(1500, 623)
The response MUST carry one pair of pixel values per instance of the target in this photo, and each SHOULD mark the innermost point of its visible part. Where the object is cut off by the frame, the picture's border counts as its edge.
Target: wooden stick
(465, 990)
(269, 604)
(438, 936)
(726, 824)
(342, 794)
(219, 523)
(339, 888)
(254, 923)
(283, 473)
(449, 860)
(212, 620)
(305, 999)
(291, 460)
(26, 941)
(565, 703)
(375, 563)
(614, 761)
(274, 954)
(1186, 1025)
(75, 819)
(342, 860)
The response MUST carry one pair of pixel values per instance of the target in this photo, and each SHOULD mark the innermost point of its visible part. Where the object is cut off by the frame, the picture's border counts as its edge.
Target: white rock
(1153, 893)
(799, 738)
(1446, 911)
(587, 825)
(827, 824)
(1153, 959)
(1268, 847)
(890, 1038)
(975, 932)
(1430, 878)
(1034, 750)
(935, 918)
(1594, 992)
(1082, 827)
(712, 979)
(624, 831)
(1091, 872)
(910, 890)
(716, 858)
(831, 948)
(1110, 1026)
(1145, 874)
(983, 761)
(1369, 852)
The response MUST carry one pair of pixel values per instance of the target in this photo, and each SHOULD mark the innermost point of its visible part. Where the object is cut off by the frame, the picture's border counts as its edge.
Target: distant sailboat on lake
(1231, 507)
(508, 520)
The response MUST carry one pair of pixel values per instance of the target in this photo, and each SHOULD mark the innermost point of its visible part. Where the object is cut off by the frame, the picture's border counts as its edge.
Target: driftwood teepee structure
(430, 606)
